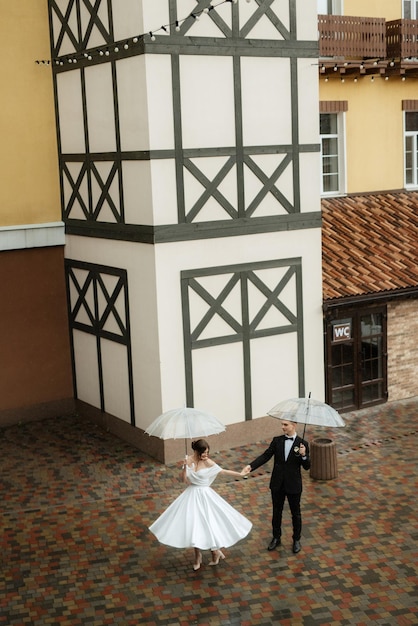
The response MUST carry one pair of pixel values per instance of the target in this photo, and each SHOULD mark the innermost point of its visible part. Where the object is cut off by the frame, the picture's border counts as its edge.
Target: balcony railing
(402, 39)
(352, 37)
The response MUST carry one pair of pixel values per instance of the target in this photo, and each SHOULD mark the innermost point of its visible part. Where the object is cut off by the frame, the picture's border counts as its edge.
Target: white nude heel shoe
(219, 555)
(197, 563)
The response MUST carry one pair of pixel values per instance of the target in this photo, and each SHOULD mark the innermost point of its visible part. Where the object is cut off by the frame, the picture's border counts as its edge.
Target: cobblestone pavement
(75, 548)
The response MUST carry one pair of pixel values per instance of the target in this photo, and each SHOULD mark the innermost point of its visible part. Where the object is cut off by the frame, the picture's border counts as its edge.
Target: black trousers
(278, 498)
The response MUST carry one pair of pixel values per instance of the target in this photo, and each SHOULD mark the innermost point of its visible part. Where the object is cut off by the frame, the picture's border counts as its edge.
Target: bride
(200, 518)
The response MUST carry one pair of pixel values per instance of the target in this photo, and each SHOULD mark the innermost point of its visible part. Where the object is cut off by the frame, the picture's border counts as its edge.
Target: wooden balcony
(352, 37)
(360, 46)
(402, 39)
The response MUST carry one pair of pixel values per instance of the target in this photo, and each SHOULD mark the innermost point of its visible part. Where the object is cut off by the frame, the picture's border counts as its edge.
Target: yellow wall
(29, 192)
(374, 130)
(390, 9)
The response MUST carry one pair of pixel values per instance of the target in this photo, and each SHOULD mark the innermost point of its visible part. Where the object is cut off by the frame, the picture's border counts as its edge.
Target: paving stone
(75, 545)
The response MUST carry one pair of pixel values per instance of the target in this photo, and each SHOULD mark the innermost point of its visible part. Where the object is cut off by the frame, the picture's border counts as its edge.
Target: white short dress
(199, 517)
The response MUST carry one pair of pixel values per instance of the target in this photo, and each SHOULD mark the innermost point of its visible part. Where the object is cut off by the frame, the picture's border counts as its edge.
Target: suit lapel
(282, 439)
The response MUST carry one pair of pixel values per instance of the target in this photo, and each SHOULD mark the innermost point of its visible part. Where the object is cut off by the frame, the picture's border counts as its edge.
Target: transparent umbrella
(185, 423)
(307, 411)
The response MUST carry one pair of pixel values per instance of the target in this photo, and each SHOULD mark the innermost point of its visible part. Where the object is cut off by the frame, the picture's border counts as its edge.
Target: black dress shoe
(296, 547)
(273, 544)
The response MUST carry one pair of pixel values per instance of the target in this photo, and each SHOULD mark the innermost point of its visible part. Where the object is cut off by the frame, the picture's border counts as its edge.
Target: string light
(165, 28)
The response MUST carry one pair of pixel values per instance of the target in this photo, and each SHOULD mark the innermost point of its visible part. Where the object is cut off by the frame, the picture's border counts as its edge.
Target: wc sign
(341, 332)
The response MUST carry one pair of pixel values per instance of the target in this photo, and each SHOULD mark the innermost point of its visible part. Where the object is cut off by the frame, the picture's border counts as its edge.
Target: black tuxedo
(286, 481)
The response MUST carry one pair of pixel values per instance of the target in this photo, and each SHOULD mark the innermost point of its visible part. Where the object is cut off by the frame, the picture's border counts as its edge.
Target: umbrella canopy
(185, 423)
(307, 411)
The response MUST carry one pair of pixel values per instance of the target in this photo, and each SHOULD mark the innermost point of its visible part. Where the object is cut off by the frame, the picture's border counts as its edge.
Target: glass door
(341, 367)
(330, 7)
(356, 359)
(410, 9)
(373, 359)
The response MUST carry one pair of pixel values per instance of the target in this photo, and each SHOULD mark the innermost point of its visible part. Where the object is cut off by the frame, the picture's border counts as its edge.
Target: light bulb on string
(195, 15)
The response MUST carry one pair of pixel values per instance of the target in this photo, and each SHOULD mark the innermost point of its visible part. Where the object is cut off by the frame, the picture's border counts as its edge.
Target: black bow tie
(291, 438)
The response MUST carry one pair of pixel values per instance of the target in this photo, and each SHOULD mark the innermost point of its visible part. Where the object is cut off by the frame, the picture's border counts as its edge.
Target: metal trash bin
(323, 459)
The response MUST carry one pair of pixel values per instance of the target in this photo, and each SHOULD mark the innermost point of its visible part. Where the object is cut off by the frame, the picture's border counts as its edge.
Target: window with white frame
(332, 153)
(330, 7)
(411, 148)
(410, 9)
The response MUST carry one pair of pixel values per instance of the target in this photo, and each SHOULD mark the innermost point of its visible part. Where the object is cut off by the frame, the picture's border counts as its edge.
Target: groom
(290, 454)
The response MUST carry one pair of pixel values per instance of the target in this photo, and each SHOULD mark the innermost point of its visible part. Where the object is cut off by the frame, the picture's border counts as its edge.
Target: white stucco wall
(157, 329)
(206, 94)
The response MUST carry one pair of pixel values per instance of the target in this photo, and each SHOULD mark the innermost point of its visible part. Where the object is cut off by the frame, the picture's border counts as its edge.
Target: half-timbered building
(189, 167)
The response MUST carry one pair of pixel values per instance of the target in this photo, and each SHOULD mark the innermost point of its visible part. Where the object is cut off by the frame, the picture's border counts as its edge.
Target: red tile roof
(369, 243)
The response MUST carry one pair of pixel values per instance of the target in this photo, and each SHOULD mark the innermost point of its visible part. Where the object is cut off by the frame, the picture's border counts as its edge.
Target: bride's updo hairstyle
(200, 446)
